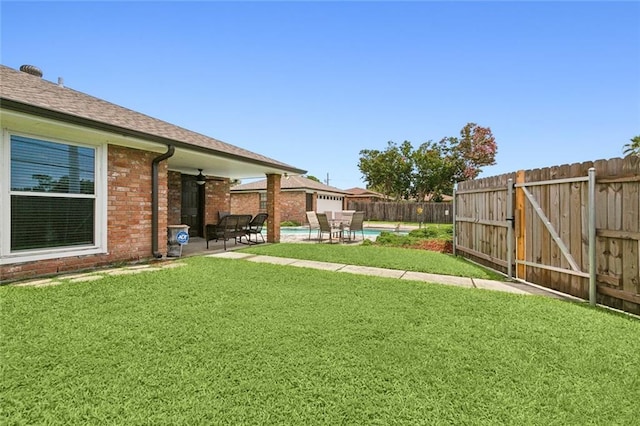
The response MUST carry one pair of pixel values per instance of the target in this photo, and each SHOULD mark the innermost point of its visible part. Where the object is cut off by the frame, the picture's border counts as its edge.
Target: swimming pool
(304, 230)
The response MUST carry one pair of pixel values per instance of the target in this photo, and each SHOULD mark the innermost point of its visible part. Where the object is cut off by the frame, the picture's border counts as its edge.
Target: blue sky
(313, 83)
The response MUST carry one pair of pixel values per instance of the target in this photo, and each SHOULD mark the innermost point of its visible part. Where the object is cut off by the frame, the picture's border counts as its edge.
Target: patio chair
(231, 226)
(325, 227)
(313, 223)
(221, 230)
(242, 228)
(346, 216)
(356, 224)
(255, 228)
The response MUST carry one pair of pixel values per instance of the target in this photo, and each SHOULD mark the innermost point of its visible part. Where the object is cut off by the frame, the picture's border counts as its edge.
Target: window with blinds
(53, 202)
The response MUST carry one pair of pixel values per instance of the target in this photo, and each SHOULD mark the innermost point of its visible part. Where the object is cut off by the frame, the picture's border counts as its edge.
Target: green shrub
(392, 239)
(440, 232)
(287, 223)
(431, 237)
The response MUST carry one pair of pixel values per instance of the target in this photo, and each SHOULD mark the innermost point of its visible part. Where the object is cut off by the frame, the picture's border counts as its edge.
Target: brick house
(298, 195)
(85, 183)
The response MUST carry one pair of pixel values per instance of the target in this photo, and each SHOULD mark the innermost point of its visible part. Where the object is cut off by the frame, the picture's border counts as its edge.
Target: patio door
(192, 205)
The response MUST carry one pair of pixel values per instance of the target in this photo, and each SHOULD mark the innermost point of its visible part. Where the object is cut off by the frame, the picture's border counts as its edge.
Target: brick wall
(128, 217)
(246, 203)
(293, 206)
(129, 210)
(216, 199)
(175, 198)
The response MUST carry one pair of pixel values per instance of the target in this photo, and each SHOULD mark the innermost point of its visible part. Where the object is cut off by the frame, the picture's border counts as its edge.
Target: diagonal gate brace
(552, 231)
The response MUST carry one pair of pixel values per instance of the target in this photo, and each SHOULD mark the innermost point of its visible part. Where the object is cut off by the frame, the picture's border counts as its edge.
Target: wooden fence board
(404, 211)
(565, 227)
(481, 205)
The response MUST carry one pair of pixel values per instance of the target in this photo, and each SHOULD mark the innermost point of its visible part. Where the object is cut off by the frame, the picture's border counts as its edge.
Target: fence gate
(555, 233)
(551, 222)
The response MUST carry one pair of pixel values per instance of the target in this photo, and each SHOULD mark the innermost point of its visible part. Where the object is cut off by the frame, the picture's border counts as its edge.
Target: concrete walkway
(509, 287)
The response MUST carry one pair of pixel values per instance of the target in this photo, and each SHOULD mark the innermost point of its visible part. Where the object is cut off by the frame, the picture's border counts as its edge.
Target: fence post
(510, 228)
(521, 271)
(592, 236)
(453, 217)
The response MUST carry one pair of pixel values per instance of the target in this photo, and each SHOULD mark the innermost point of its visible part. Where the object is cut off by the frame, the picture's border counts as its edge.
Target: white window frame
(262, 201)
(100, 196)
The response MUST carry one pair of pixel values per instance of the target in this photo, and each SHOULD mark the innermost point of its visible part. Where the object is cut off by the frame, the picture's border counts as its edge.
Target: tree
(433, 168)
(476, 148)
(313, 178)
(389, 171)
(633, 148)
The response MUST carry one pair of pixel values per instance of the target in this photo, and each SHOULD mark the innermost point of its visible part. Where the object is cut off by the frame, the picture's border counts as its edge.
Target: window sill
(33, 256)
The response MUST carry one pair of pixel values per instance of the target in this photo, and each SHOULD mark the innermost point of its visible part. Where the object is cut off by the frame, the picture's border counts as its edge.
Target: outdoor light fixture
(200, 179)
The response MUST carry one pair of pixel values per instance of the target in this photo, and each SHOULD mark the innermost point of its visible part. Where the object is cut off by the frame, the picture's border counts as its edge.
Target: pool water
(368, 232)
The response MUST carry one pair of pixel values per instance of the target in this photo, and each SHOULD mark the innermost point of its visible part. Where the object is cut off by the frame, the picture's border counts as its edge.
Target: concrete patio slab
(327, 266)
(173, 265)
(128, 271)
(230, 255)
(88, 278)
(497, 285)
(439, 279)
(367, 270)
(44, 281)
(271, 259)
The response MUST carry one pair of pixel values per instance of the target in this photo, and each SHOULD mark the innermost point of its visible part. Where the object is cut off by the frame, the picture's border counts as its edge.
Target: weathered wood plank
(484, 256)
(619, 294)
(631, 228)
(623, 235)
(577, 216)
(564, 202)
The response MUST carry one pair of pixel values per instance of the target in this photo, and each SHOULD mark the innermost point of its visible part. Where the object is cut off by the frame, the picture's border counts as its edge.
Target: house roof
(30, 94)
(361, 192)
(288, 183)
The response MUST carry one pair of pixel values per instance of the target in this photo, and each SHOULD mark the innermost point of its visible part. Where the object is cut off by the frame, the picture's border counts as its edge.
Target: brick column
(273, 208)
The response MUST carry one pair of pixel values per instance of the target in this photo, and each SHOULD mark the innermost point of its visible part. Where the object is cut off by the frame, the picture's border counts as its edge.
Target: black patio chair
(231, 226)
(255, 228)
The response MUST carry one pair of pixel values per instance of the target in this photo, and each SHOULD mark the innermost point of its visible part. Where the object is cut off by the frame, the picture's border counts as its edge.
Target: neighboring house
(361, 195)
(445, 198)
(364, 195)
(299, 195)
(84, 182)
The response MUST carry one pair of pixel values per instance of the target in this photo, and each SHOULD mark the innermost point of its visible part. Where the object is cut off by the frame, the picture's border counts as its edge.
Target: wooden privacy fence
(404, 211)
(555, 228)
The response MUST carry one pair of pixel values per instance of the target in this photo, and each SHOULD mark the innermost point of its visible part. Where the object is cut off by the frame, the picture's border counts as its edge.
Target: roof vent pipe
(60, 81)
(31, 69)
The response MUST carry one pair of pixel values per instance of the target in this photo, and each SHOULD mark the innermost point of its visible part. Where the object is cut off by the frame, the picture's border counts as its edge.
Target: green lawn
(383, 257)
(223, 341)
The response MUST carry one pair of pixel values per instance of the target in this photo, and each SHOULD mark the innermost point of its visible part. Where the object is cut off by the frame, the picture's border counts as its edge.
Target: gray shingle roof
(29, 93)
(292, 182)
(363, 192)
